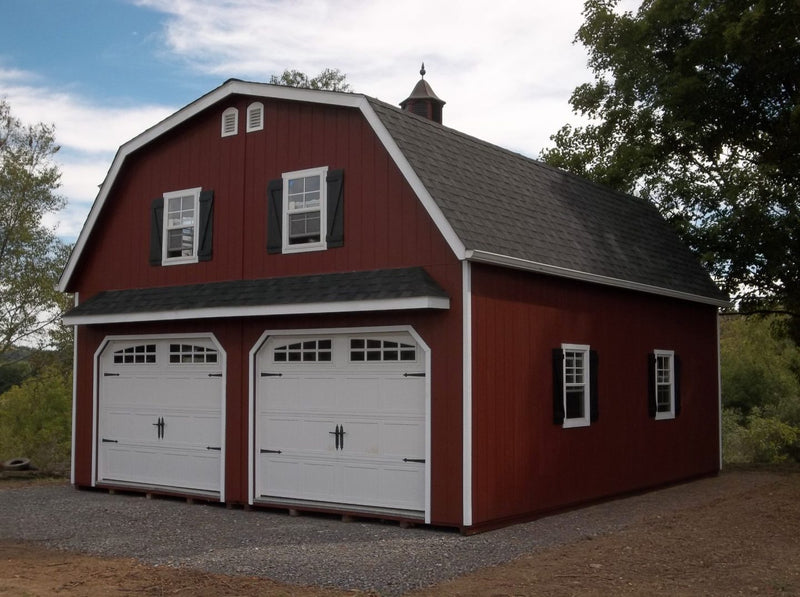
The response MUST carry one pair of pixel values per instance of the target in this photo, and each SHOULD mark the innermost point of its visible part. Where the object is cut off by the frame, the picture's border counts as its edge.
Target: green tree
(330, 79)
(31, 256)
(760, 368)
(695, 105)
(35, 420)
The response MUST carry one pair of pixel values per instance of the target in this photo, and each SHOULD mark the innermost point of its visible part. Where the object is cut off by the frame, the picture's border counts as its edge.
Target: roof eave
(479, 256)
(390, 304)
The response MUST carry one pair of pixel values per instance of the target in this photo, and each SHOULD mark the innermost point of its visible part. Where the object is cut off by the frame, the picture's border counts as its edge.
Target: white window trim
(671, 355)
(224, 130)
(259, 107)
(585, 420)
(195, 192)
(323, 205)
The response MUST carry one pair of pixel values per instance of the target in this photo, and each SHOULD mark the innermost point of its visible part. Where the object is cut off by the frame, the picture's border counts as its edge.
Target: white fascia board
(229, 88)
(553, 270)
(422, 302)
(399, 158)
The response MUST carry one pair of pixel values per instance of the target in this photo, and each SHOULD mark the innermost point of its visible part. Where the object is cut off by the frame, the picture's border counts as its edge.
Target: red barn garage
(315, 300)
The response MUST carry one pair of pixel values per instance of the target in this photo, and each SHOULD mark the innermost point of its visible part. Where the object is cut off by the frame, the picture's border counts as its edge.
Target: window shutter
(206, 226)
(594, 411)
(676, 363)
(558, 386)
(651, 385)
(335, 182)
(274, 216)
(156, 230)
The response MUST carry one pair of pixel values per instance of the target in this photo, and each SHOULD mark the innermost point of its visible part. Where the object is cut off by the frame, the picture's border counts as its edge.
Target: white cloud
(89, 135)
(505, 69)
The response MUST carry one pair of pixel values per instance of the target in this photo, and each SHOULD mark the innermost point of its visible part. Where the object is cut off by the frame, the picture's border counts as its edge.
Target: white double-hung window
(576, 385)
(304, 208)
(180, 226)
(664, 384)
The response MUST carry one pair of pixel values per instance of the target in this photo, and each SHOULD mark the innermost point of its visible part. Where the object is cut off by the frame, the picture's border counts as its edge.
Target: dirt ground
(744, 541)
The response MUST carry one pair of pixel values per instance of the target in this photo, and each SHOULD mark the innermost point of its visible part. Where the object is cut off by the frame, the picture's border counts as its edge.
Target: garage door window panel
(191, 354)
(376, 350)
(306, 351)
(142, 354)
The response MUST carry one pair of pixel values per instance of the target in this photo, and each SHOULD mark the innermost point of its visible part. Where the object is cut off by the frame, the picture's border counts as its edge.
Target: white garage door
(160, 414)
(340, 419)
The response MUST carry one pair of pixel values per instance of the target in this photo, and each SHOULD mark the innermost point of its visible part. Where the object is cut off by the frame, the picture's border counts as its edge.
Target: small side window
(662, 395)
(230, 122)
(574, 386)
(255, 117)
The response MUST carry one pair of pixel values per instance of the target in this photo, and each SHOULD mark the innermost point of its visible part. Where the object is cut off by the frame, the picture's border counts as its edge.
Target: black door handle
(337, 435)
(160, 427)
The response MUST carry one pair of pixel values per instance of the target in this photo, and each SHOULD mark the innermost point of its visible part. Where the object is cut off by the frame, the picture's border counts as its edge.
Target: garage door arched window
(375, 350)
(189, 353)
(142, 354)
(307, 351)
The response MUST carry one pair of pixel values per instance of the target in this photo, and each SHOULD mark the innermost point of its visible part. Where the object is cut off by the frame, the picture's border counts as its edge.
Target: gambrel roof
(492, 205)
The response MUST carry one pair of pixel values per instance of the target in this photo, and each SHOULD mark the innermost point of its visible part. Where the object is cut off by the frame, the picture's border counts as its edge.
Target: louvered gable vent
(255, 117)
(230, 122)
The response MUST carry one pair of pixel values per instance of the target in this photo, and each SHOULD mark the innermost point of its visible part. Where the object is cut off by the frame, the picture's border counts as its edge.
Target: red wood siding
(523, 463)
(385, 225)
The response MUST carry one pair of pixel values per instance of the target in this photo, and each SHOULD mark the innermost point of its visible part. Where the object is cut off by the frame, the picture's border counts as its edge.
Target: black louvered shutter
(335, 190)
(677, 378)
(651, 385)
(558, 386)
(156, 230)
(274, 216)
(594, 410)
(205, 242)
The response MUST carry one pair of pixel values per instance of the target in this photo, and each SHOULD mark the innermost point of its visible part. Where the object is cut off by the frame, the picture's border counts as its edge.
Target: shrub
(35, 421)
(759, 439)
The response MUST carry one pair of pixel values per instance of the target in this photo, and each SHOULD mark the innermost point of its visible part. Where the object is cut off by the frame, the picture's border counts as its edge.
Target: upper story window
(230, 122)
(181, 227)
(255, 117)
(574, 385)
(305, 211)
(662, 382)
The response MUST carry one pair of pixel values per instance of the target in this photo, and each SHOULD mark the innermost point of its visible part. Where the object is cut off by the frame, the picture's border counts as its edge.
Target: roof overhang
(350, 292)
(261, 90)
(478, 256)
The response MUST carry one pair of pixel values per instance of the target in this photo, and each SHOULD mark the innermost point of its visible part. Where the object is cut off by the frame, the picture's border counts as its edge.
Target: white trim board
(563, 272)
(423, 302)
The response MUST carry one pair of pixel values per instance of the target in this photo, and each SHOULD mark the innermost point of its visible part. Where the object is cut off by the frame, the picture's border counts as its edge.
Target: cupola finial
(422, 70)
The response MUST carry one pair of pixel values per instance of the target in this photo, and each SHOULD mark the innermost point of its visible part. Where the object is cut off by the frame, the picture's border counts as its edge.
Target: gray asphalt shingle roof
(501, 202)
(293, 290)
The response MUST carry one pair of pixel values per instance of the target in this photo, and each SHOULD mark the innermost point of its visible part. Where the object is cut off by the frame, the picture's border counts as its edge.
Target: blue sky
(102, 71)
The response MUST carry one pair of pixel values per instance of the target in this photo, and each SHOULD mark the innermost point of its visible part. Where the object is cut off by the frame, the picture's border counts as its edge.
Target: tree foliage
(330, 79)
(695, 105)
(35, 420)
(760, 390)
(31, 256)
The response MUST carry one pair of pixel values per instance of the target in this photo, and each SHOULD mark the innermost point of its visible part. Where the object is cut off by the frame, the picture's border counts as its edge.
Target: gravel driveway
(313, 550)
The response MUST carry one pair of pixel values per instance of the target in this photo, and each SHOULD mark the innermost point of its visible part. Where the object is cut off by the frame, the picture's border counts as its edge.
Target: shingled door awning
(376, 290)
